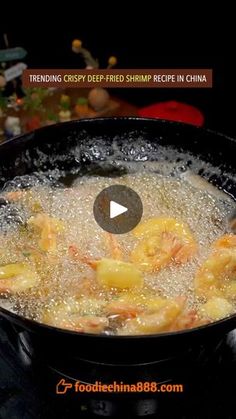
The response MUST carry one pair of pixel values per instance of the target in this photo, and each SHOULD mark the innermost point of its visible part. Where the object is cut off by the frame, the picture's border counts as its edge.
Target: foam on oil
(164, 191)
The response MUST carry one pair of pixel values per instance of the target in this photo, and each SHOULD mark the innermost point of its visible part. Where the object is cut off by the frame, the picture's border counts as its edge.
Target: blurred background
(143, 40)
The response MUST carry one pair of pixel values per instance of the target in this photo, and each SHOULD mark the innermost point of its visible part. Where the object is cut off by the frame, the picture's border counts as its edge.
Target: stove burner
(28, 383)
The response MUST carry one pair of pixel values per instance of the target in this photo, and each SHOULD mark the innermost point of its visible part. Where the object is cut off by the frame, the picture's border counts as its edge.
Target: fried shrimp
(175, 270)
(48, 227)
(162, 240)
(110, 273)
(77, 314)
(217, 276)
(17, 277)
(153, 322)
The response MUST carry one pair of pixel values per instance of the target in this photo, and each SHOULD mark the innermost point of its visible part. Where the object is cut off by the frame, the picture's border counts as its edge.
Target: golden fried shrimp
(122, 309)
(131, 303)
(114, 273)
(85, 324)
(217, 276)
(155, 322)
(216, 308)
(230, 290)
(228, 241)
(162, 240)
(111, 273)
(48, 227)
(81, 315)
(17, 277)
(154, 252)
(187, 320)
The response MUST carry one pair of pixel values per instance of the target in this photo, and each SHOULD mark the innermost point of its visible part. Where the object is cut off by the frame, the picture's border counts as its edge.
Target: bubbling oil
(63, 281)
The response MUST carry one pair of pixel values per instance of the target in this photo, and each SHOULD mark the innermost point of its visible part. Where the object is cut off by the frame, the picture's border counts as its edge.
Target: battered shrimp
(78, 315)
(85, 324)
(162, 240)
(62, 270)
(111, 273)
(131, 304)
(217, 276)
(154, 322)
(187, 320)
(122, 309)
(216, 308)
(48, 227)
(17, 277)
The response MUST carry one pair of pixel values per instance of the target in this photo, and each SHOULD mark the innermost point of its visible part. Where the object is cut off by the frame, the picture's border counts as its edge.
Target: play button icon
(118, 209)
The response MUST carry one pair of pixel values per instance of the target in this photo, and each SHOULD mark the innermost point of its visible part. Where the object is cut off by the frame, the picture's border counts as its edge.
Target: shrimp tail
(79, 257)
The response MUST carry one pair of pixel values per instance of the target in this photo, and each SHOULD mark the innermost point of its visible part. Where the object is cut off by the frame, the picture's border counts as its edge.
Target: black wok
(46, 149)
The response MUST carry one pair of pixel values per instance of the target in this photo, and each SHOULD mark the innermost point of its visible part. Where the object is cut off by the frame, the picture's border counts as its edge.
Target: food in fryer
(176, 270)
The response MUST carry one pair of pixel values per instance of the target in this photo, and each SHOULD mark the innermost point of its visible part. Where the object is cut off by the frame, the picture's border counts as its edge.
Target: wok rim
(118, 118)
(30, 324)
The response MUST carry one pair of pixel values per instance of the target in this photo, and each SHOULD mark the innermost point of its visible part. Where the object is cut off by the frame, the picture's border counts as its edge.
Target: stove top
(28, 385)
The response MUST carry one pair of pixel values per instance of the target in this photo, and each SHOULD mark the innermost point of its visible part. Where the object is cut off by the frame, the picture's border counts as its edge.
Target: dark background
(149, 37)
